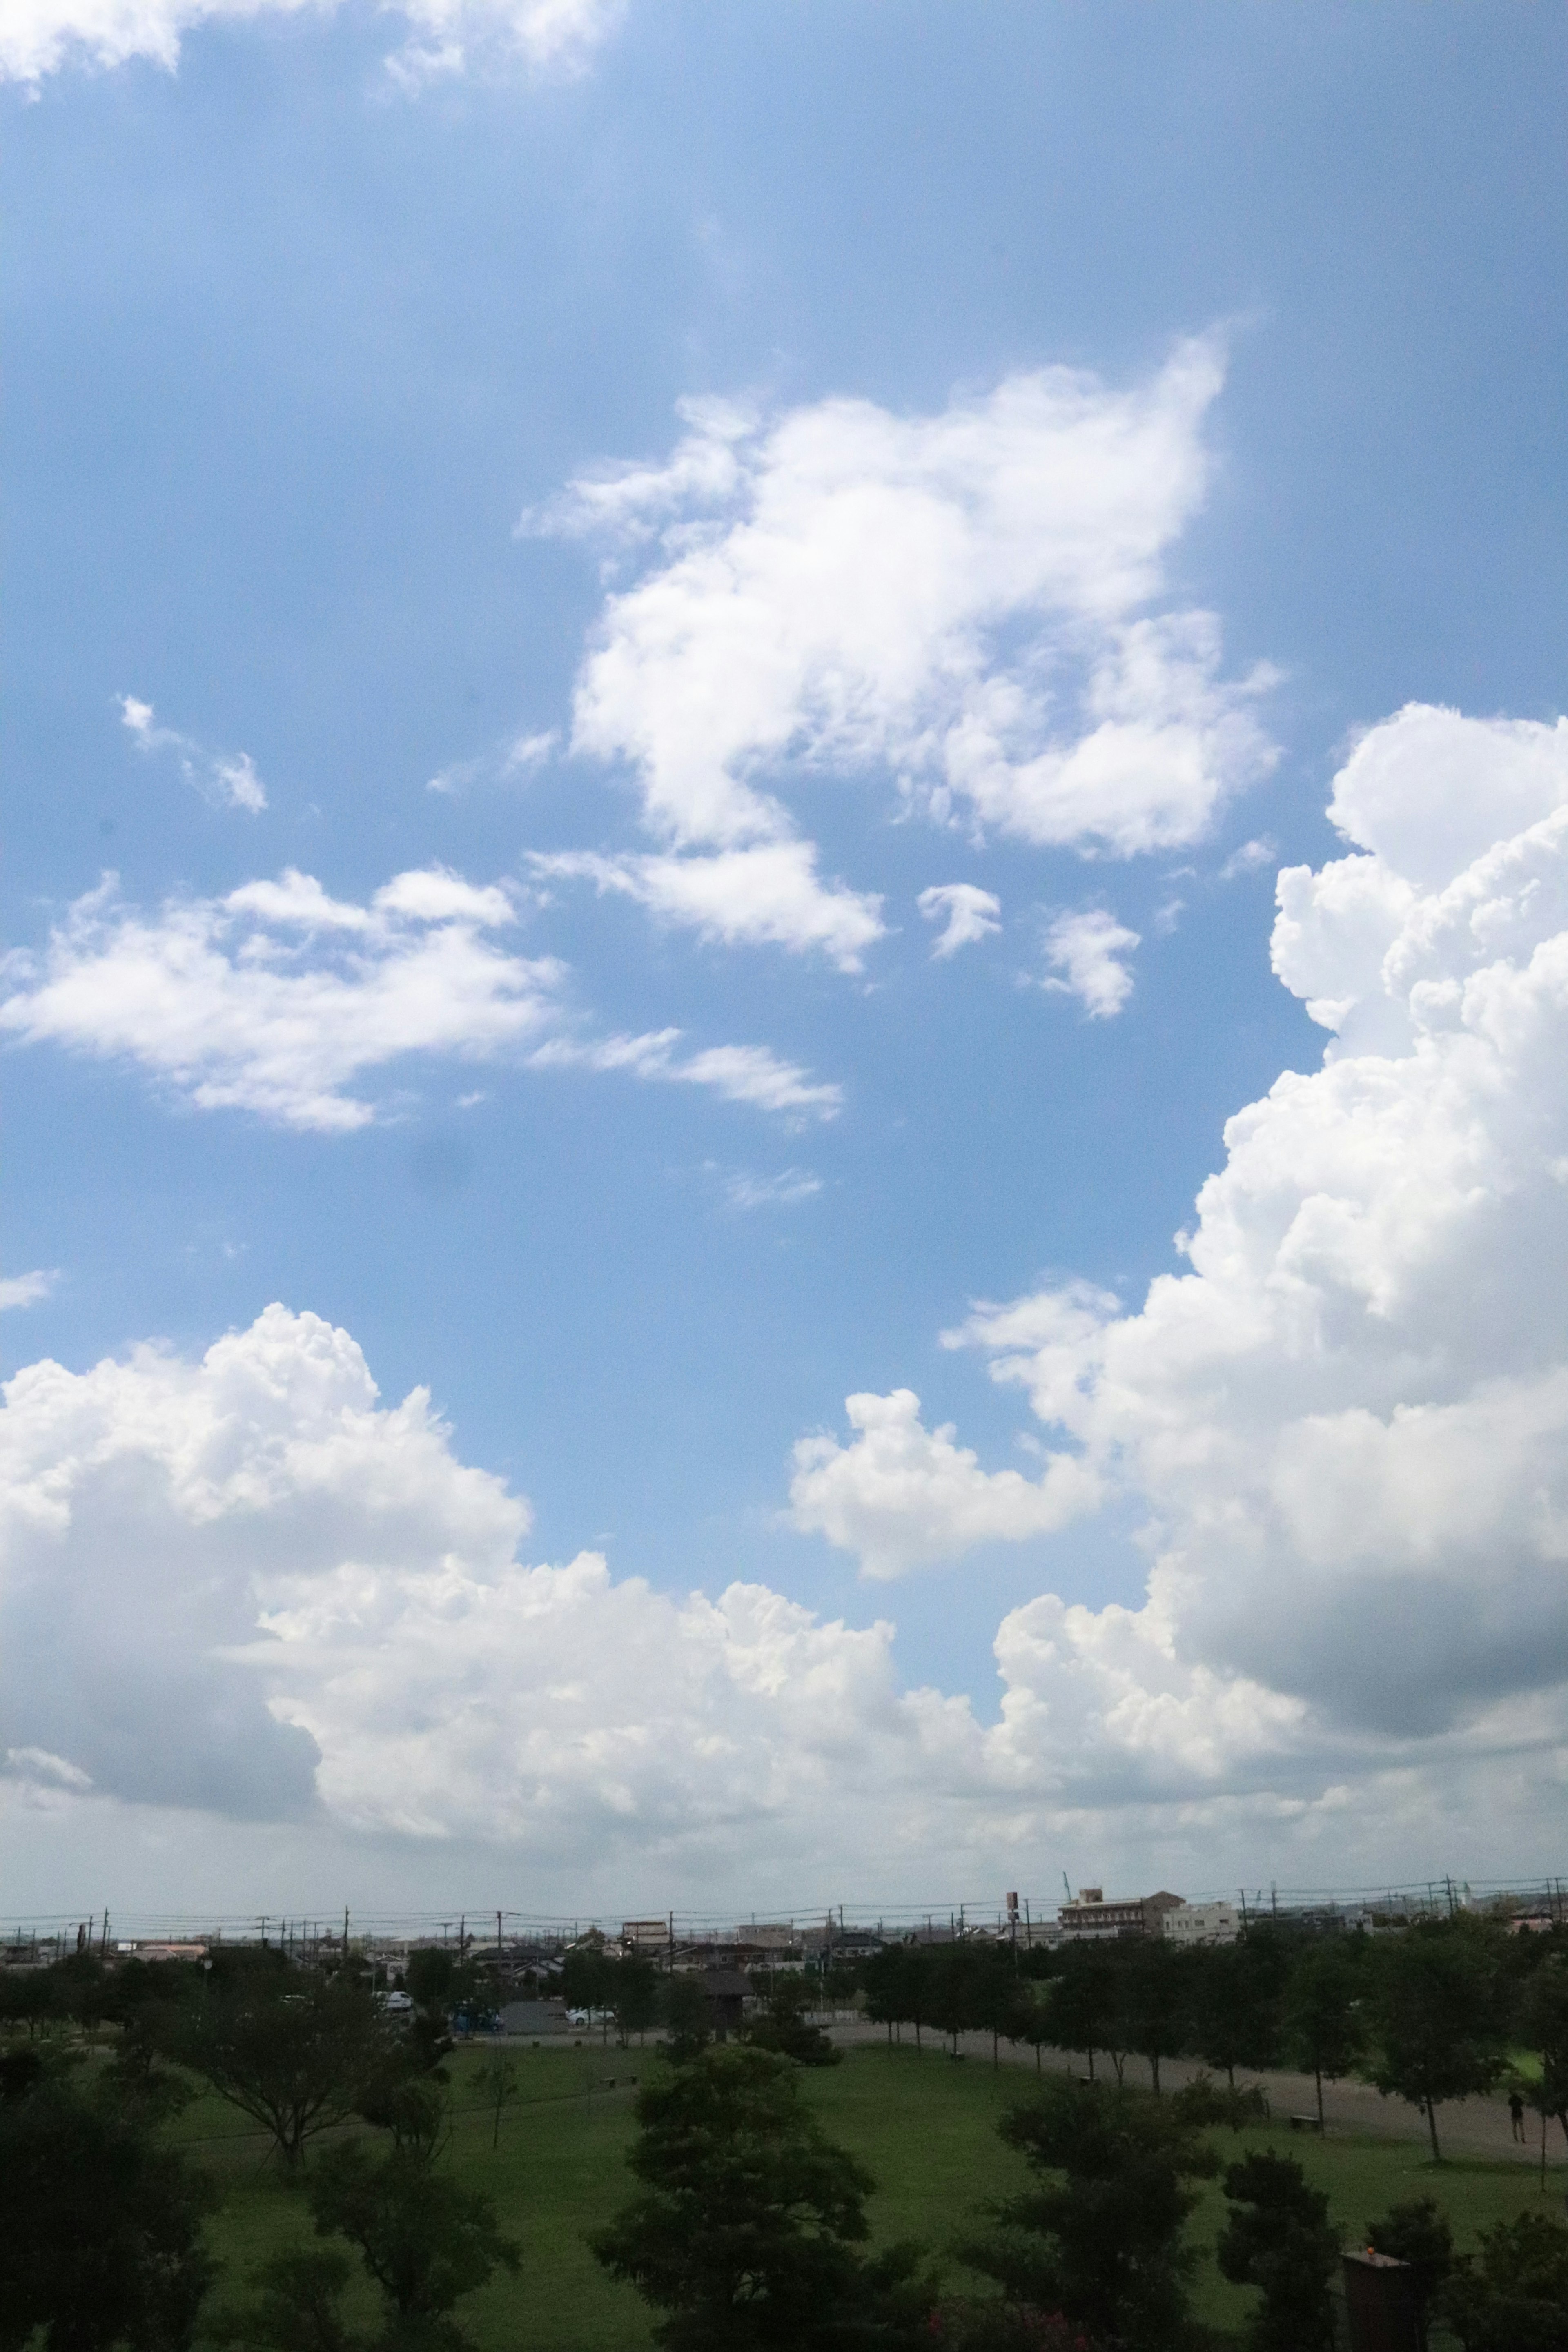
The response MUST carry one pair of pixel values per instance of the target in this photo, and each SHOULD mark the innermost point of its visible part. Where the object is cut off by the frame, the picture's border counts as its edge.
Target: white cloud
(1348, 1423)
(743, 1074)
(445, 37)
(27, 1289)
(283, 1001)
(787, 1190)
(1251, 858)
(904, 1496)
(968, 915)
(224, 779)
(514, 758)
(244, 1587)
(1091, 948)
(972, 603)
(740, 897)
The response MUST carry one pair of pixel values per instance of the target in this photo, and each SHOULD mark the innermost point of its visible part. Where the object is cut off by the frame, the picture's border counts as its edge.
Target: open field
(924, 2126)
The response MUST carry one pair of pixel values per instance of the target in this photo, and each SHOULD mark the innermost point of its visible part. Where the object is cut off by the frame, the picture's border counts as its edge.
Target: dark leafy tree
(955, 1978)
(998, 2003)
(687, 2020)
(1437, 2015)
(746, 2236)
(297, 2306)
(1155, 1996)
(785, 2029)
(1417, 2232)
(1513, 2297)
(1235, 2003)
(1083, 2004)
(1542, 2026)
(1100, 2237)
(1276, 2238)
(635, 1997)
(1202, 2102)
(425, 2240)
(999, 2326)
(1324, 2029)
(292, 2053)
(102, 2238)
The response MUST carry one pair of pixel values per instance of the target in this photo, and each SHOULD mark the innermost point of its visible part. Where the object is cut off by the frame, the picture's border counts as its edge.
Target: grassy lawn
(923, 2126)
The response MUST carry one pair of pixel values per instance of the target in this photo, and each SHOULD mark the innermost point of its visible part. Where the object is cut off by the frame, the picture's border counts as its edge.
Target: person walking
(1516, 2114)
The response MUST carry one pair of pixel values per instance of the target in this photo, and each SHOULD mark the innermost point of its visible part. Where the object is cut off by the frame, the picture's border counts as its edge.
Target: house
(727, 1993)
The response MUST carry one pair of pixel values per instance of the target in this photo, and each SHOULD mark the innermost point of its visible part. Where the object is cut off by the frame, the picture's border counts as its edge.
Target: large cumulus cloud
(1349, 1417)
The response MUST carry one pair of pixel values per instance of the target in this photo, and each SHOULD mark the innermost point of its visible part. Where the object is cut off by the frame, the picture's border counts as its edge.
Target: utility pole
(345, 1934)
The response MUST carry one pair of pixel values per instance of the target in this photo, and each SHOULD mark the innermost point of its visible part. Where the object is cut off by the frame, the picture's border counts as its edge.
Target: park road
(1465, 2126)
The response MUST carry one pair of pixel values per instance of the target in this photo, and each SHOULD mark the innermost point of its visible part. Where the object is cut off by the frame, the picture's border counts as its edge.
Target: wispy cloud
(787, 1190)
(224, 779)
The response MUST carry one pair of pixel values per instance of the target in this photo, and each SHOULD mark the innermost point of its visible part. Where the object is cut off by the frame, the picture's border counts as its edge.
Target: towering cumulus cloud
(1349, 1420)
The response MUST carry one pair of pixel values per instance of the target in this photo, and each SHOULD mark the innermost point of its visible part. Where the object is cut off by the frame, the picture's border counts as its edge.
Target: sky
(786, 918)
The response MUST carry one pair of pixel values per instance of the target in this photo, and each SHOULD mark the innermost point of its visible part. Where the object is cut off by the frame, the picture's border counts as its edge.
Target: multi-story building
(1092, 1919)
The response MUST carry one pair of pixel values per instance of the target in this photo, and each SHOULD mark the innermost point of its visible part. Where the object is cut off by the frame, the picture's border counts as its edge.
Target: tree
(1083, 2003)
(745, 2236)
(1418, 2233)
(689, 2027)
(1278, 2237)
(955, 1986)
(635, 1997)
(498, 2086)
(1234, 2000)
(1543, 2028)
(1323, 2030)
(1154, 1993)
(101, 2242)
(785, 2029)
(1099, 2237)
(293, 2056)
(1437, 2015)
(425, 2241)
(1513, 2297)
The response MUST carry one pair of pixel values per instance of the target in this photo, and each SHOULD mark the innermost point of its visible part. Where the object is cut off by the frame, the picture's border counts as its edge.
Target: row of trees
(1429, 2014)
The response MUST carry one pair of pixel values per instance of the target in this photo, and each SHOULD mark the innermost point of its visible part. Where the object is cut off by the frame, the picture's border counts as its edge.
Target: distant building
(645, 1935)
(727, 1993)
(1187, 1924)
(1091, 1919)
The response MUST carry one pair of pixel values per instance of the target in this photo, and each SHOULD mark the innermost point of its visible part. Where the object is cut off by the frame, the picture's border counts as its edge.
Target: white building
(1199, 1923)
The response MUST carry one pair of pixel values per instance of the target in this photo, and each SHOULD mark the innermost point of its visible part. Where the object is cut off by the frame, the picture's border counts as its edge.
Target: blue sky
(305, 353)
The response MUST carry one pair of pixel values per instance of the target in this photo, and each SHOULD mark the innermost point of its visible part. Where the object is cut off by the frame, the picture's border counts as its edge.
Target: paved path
(1465, 2126)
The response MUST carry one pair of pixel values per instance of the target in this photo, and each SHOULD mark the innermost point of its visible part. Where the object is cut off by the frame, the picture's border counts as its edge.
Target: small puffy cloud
(283, 1001)
(224, 779)
(445, 37)
(27, 1289)
(1347, 1421)
(517, 758)
(902, 1497)
(966, 913)
(971, 604)
(1251, 858)
(1088, 950)
(738, 896)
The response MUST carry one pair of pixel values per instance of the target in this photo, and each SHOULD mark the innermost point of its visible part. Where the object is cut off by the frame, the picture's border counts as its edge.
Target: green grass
(924, 2126)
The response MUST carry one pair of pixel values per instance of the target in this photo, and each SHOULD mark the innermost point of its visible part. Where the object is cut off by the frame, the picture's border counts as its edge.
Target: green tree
(1323, 2031)
(103, 2237)
(1101, 2236)
(1543, 2029)
(1417, 2232)
(1276, 2238)
(496, 2081)
(1437, 2015)
(1155, 1983)
(1513, 2295)
(785, 2029)
(686, 2020)
(293, 2053)
(425, 2240)
(1083, 2003)
(746, 2234)
(635, 1997)
(1235, 2002)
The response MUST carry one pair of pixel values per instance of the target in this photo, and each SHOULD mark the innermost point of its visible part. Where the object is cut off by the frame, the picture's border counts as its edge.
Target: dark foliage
(1277, 2239)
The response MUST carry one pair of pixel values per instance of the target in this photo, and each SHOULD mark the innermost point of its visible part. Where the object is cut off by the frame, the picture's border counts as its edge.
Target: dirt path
(1465, 2126)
